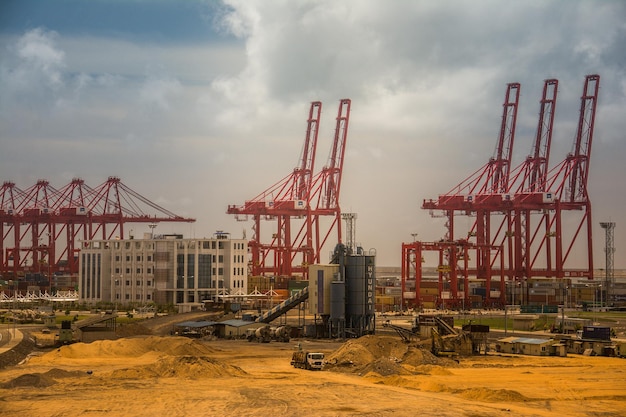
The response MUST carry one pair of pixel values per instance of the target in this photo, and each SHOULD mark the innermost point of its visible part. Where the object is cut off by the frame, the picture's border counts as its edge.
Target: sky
(199, 105)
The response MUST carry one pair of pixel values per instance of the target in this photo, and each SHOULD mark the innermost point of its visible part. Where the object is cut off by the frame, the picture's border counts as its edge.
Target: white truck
(307, 360)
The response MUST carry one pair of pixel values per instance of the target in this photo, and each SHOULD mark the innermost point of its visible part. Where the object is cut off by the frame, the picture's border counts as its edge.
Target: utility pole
(609, 250)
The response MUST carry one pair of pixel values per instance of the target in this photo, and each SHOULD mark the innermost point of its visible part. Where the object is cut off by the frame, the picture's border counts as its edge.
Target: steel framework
(40, 227)
(297, 203)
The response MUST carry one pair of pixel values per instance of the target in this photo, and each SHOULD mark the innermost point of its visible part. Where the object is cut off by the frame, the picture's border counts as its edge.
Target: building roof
(526, 340)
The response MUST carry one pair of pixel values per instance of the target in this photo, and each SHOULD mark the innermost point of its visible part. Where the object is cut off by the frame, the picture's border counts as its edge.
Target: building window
(128, 270)
(127, 296)
(117, 270)
(138, 283)
(127, 258)
(138, 258)
(127, 282)
(139, 270)
(148, 283)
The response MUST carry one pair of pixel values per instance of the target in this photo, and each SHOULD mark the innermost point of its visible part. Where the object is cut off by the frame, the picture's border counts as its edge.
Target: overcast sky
(198, 105)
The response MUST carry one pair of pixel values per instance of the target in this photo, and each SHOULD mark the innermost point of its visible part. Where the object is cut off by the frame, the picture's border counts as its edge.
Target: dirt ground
(370, 376)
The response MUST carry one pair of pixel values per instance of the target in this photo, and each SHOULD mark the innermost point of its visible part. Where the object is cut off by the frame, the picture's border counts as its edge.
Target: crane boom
(584, 136)
(501, 164)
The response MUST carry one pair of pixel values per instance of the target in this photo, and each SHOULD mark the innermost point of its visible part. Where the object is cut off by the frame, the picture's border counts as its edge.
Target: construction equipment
(280, 333)
(66, 335)
(261, 335)
(307, 360)
(447, 341)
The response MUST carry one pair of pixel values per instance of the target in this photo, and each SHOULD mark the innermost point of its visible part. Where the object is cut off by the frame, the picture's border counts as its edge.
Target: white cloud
(156, 91)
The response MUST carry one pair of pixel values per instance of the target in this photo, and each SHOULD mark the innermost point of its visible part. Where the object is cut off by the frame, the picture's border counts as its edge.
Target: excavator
(452, 343)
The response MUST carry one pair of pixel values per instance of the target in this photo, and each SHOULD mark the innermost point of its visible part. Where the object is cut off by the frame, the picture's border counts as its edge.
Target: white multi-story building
(163, 270)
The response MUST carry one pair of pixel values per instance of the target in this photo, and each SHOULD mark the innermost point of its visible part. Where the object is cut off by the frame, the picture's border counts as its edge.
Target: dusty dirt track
(374, 376)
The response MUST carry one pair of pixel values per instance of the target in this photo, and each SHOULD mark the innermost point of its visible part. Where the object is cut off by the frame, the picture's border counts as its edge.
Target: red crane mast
(327, 184)
(531, 179)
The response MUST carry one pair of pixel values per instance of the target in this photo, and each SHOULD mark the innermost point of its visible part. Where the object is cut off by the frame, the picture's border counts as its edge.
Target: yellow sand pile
(141, 357)
(41, 379)
(491, 395)
(383, 355)
(189, 367)
(129, 347)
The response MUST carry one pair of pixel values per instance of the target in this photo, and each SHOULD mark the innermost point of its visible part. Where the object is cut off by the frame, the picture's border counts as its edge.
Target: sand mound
(29, 381)
(490, 395)
(400, 381)
(130, 347)
(57, 373)
(384, 367)
(384, 355)
(189, 367)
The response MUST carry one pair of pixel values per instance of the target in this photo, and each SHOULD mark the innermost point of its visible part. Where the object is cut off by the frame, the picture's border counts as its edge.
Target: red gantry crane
(534, 204)
(40, 227)
(289, 203)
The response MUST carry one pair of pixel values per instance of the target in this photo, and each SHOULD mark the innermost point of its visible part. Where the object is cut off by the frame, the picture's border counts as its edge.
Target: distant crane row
(529, 220)
(40, 227)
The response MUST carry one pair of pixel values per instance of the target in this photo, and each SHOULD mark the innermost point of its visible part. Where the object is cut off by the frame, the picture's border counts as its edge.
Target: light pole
(513, 293)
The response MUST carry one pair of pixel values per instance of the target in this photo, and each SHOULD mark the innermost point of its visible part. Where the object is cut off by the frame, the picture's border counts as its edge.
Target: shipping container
(597, 332)
(429, 291)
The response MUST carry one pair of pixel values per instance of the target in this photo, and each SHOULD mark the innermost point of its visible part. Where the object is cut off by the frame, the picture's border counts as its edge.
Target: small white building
(526, 346)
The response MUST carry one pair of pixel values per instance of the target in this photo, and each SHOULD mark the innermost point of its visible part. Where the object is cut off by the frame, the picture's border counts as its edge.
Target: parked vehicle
(307, 360)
